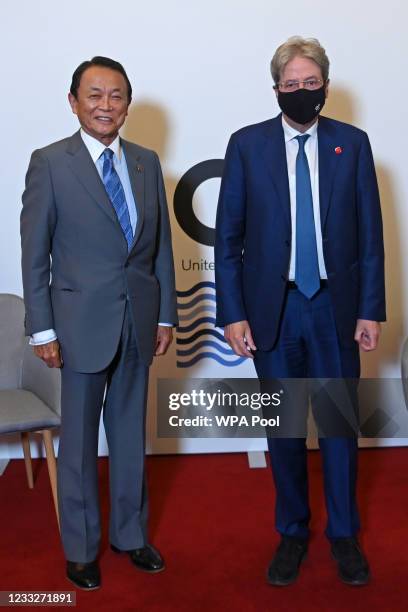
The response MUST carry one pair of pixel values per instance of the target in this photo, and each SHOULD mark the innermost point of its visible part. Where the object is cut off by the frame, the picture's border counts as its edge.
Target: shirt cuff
(43, 337)
(166, 324)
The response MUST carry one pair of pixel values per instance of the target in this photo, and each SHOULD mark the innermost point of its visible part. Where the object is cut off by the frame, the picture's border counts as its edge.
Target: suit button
(122, 296)
(287, 242)
(127, 264)
(283, 278)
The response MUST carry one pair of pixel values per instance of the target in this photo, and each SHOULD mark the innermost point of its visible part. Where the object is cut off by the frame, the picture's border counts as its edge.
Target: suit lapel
(137, 180)
(275, 158)
(85, 170)
(328, 163)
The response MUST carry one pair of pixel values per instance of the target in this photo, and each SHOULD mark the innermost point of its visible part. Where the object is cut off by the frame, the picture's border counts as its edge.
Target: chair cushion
(23, 411)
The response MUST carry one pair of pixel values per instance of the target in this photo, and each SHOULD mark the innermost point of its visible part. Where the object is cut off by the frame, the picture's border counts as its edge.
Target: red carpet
(212, 518)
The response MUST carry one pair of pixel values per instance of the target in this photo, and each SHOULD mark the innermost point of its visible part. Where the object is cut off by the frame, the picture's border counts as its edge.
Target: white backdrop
(199, 72)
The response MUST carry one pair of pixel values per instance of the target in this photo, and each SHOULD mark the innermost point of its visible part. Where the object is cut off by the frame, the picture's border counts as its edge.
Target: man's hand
(367, 334)
(239, 337)
(164, 339)
(50, 353)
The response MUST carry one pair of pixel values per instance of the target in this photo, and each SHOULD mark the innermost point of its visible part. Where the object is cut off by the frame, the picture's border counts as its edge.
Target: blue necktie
(116, 195)
(307, 274)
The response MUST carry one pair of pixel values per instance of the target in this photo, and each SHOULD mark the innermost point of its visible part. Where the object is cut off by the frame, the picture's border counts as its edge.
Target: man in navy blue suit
(299, 262)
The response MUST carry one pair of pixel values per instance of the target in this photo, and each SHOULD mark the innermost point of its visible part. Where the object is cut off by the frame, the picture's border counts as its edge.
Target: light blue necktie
(307, 274)
(116, 195)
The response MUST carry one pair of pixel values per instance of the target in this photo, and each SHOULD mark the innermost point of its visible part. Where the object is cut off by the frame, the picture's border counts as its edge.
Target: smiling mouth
(104, 119)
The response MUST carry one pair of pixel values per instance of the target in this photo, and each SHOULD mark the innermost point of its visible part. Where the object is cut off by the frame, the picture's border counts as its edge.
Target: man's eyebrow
(313, 76)
(94, 88)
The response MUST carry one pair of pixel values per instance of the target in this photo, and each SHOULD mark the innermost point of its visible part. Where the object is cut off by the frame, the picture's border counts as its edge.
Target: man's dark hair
(98, 60)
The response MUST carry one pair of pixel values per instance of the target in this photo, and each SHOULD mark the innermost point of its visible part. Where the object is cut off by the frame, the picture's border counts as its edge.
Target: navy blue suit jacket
(253, 229)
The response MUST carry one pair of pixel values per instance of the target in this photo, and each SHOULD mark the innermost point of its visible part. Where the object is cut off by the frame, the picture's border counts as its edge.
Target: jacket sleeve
(37, 224)
(229, 238)
(164, 264)
(371, 245)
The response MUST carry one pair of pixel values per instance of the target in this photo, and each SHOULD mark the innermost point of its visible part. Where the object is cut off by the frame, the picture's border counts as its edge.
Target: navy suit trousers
(308, 347)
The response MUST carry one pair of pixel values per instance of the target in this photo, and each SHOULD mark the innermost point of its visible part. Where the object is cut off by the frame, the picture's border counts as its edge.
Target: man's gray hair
(296, 46)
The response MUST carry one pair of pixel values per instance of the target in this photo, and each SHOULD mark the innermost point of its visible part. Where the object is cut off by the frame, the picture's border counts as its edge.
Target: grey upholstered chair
(29, 390)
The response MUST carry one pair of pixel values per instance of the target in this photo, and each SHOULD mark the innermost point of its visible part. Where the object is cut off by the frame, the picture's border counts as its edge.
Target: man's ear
(73, 102)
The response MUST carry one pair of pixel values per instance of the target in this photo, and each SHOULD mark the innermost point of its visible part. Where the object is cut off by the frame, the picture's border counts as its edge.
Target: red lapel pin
(338, 150)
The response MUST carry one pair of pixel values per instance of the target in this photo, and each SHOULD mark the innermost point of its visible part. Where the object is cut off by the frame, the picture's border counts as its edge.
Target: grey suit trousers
(124, 408)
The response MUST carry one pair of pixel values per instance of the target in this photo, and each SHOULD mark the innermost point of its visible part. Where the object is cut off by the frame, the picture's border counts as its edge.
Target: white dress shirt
(312, 154)
(96, 149)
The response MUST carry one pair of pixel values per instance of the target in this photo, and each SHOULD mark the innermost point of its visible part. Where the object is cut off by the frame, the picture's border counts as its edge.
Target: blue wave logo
(197, 336)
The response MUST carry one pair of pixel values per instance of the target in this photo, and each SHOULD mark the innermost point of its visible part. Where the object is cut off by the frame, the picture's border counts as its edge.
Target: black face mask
(302, 105)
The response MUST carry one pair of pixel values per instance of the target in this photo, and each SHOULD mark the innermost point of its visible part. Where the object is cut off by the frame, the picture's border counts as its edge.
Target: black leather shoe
(352, 565)
(84, 575)
(147, 558)
(284, 567)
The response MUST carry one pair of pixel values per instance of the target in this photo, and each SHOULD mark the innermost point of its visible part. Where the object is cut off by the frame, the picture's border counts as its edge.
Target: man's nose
(105, 103)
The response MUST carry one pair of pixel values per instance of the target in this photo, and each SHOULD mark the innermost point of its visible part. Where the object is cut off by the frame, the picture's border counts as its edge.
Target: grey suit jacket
(77, 273)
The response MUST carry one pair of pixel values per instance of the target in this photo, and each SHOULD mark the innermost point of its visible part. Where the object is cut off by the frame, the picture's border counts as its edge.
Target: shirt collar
(290, 133)
(96, 148)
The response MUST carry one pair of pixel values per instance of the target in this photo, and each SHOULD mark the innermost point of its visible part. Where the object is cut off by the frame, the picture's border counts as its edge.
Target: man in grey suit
(100, 300)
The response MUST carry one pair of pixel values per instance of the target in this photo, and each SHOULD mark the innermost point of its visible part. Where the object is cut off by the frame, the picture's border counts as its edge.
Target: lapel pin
(338, 150)
(139, 168)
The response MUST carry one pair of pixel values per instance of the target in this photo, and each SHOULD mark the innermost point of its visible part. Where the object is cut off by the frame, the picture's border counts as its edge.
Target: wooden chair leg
(52, 467)
(25, 440)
